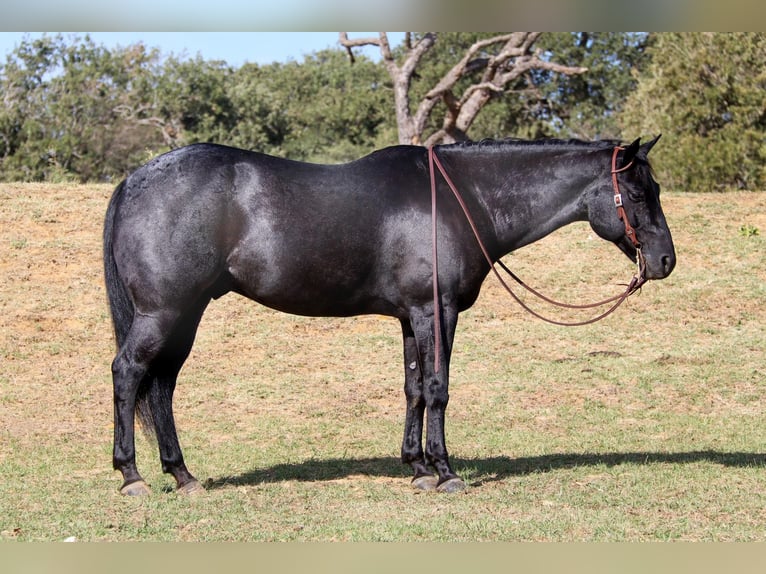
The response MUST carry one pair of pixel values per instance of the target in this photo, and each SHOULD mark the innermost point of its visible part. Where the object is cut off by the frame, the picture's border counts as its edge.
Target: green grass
(646, 426)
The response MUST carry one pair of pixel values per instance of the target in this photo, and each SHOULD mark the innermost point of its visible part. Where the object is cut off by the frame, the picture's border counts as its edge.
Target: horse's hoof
(452, 485)
(191, 488)
(138, 488)
(427, 482)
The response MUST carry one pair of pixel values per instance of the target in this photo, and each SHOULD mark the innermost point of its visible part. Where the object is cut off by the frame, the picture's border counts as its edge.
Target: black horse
(343, 240)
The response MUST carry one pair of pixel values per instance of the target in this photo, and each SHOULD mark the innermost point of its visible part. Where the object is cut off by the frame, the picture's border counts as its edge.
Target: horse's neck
(544, 213)
(526, 207)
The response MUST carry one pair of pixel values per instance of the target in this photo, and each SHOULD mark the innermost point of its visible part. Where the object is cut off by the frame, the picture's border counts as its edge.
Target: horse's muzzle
(655, 263)
(659, 265)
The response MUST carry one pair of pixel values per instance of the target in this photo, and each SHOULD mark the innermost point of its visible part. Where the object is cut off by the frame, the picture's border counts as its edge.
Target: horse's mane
(499, 145)
(553, 142)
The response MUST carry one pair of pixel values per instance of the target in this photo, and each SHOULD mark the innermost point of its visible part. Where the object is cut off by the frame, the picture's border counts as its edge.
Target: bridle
(629, 231)
(635, 283)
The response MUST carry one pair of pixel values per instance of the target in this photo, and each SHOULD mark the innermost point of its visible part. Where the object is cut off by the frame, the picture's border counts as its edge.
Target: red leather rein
(635, 284)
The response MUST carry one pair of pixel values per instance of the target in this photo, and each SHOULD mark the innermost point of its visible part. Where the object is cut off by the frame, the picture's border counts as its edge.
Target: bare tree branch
(489, 86)
(459, 70)
(512, 60)
(347, 43)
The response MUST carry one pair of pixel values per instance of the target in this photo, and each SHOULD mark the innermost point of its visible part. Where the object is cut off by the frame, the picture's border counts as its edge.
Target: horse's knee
(413, 394)
(437, 395)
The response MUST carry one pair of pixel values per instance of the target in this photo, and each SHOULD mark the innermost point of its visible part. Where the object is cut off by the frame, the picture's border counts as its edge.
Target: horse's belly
(333, 284)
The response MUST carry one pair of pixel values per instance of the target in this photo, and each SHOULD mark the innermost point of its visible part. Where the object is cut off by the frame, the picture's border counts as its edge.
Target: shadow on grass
(483, 469)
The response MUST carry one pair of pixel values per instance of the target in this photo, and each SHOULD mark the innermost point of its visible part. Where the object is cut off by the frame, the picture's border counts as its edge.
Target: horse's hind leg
(129, 369)
(159, 397)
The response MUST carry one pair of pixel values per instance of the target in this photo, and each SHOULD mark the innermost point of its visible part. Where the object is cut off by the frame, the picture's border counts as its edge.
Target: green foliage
(194, 100)
(705, 93)
(586, 105)
(61, 114)
(76, 110)
(323, 109)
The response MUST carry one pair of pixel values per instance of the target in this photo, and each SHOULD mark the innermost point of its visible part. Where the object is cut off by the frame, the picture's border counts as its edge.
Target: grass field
(646, 426)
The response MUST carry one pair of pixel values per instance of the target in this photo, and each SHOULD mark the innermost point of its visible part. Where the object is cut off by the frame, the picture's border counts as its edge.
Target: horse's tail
(123, 310)
(120, 304)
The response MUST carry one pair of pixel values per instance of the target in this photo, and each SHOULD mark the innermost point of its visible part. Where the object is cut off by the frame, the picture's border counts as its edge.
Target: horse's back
(209, 169)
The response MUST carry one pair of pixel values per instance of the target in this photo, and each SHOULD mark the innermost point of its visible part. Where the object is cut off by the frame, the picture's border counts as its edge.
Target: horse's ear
(630, 152)
(649, 145)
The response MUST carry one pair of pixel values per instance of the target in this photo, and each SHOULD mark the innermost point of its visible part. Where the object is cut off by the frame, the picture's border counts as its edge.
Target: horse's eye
(636, 196)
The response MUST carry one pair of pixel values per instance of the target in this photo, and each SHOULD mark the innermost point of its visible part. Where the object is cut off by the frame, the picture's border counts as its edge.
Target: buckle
(618, 200)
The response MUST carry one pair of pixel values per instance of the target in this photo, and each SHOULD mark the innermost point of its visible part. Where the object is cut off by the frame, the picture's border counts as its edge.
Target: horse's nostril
(668, 262)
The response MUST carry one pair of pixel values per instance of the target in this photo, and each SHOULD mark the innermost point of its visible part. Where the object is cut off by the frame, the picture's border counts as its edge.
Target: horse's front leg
(412, 443)
(435, 391)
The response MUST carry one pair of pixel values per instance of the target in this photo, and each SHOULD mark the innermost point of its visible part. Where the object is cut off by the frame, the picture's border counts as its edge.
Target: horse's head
(626, 210)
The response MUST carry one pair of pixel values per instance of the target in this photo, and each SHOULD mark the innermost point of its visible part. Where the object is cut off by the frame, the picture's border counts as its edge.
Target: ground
(645, 426)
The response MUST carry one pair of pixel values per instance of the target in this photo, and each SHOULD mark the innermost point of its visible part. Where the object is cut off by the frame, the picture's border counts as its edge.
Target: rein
(635, 283)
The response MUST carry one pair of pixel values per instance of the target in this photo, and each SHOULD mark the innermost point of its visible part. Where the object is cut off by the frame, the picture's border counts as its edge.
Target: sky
(235, 48)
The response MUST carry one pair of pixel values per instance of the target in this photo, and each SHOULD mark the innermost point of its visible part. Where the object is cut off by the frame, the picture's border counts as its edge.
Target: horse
(341, 240)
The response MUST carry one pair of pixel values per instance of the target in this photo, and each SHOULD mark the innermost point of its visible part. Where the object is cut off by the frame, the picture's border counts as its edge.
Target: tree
(489, 64)
(75, 109)
(316, 110)
(61, 116)
(193, 102)
(586, 105)
(705, 93)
